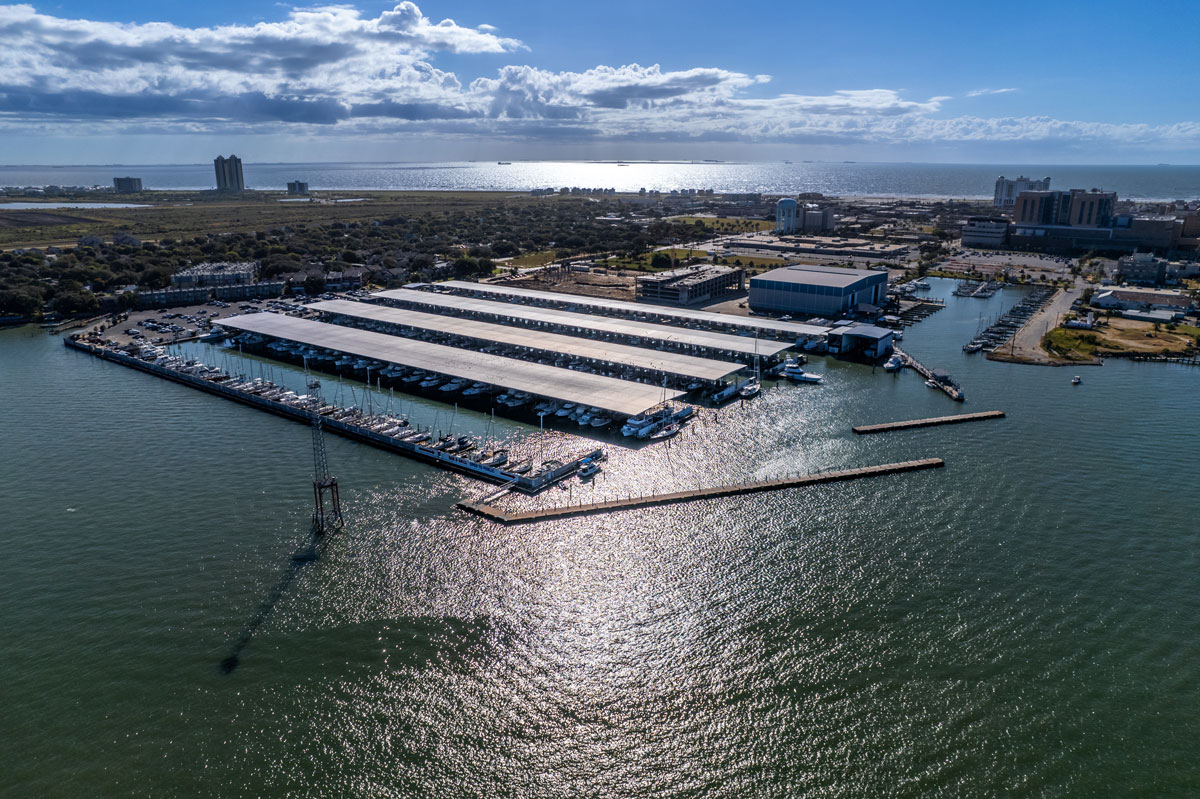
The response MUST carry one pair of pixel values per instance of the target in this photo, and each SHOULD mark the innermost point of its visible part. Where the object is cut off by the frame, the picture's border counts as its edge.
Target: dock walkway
(952, 390)
(543, 514)
(886, 427)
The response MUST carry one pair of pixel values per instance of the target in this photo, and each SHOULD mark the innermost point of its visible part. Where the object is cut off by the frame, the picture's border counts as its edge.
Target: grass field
(728, 224)
(1119, 336)
(182, 215)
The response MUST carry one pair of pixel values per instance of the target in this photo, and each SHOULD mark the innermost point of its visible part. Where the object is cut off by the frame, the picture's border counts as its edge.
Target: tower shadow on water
(324, 519)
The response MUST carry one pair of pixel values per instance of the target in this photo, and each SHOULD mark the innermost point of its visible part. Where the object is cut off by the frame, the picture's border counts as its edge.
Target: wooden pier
(952, 389)
(886, 427)
(543, 514)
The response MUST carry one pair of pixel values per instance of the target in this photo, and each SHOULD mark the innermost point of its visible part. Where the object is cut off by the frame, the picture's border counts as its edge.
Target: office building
(817, 290)
(1007, 190)
(229, 173)
(127, 185)
(985, 231)
(1142, 268)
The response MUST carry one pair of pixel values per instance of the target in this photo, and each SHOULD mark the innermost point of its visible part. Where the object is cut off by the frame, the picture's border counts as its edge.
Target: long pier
(529, 484)
(952, 390)
(887, 427)
(543, 514)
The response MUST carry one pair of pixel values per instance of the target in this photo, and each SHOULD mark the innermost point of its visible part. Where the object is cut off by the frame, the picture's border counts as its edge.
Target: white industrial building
(817, 290)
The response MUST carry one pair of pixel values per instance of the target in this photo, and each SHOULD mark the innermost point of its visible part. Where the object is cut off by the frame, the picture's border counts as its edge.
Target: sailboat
(751, 387)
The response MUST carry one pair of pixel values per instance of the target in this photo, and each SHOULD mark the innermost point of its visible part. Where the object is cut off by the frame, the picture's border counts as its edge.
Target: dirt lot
(612, 285)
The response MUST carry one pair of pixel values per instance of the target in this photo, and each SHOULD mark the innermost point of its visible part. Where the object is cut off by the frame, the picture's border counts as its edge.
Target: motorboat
(1076, 380)
(749, 389)
(600, 421)
(894, 363)
(588, 469)
(799, 375)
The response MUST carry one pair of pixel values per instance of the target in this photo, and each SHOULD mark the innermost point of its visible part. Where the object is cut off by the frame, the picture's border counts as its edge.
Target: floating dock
(944, 383)
(887, 427)
(529, 484)
(519, 517)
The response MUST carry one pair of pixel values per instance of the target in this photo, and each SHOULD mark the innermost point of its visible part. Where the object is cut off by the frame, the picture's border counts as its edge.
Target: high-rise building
(297, 187)
(229, 173)
(127, 185)
(1007, 190)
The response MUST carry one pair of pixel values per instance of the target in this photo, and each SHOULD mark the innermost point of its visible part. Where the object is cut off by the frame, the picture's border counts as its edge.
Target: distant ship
(503, 162)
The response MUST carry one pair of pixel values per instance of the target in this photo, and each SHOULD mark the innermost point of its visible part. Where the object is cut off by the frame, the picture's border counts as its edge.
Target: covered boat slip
(619, 355)
(791, 330)
(702, 340)
(622, 397)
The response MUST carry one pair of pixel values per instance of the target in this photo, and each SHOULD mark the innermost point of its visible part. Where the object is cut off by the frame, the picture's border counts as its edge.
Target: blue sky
(143, 82)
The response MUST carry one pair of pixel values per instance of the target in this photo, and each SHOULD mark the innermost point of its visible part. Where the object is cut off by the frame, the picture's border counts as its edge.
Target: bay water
(1025, 621)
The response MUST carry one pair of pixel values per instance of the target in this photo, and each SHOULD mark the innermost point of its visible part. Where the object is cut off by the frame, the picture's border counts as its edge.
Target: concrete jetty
(886, 427)
(543, 514)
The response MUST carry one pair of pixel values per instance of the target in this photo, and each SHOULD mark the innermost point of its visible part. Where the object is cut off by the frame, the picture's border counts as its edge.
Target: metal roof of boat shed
(793, 330)
(672, 363)
(702, 339)
(623, 397)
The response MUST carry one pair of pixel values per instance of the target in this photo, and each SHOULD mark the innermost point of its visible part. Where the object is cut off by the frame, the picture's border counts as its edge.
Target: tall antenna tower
(323, 482)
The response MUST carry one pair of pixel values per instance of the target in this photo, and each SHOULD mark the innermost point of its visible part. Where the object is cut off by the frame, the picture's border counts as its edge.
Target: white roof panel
(724, 342)
(670, 362)
(623, 397)
(792, 329)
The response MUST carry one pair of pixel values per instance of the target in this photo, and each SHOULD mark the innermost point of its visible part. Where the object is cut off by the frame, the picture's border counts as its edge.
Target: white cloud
(330, 70)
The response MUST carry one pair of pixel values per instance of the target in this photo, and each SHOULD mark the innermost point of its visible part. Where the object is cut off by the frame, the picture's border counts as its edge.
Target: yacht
(894, 363)
(749, 389)
(635, 423)
(600, 421)
(798, 374)
(588, 469)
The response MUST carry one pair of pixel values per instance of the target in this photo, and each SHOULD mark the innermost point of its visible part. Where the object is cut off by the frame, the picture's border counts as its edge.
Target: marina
(768, 328)
(392, 433)
(692, 340)
(566, 351)
(749, 487)
(620, 397)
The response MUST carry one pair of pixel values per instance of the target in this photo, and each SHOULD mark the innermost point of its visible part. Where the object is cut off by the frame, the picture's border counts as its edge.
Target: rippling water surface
(1025, 621)
(1162, 182)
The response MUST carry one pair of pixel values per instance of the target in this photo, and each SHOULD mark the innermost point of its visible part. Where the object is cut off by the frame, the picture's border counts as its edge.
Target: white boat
(666, 431)
(588, 469)
(893, 363)
(1076, 380)
(565, 410)
(600, 421)
(749, 389)
(799, 375)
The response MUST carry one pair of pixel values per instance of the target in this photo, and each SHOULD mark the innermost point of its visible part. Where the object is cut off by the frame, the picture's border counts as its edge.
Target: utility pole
(323, 481)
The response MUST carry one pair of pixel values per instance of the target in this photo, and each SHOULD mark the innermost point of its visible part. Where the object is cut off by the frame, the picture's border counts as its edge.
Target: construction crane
(323, 482)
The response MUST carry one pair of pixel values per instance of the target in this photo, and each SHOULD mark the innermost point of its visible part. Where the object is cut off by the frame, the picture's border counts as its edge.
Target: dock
(500, 474)
(944, 383)
(887, 427)
(751, 487)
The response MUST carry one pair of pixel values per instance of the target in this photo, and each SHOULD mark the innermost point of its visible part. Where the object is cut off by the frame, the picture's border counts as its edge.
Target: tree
(660, 260)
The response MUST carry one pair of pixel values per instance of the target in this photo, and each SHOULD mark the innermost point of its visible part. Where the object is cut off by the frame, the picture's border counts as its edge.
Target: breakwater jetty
(886, 427)
(751, 487)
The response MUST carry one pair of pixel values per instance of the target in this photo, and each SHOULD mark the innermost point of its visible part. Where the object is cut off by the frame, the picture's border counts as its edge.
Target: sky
(136, 82)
